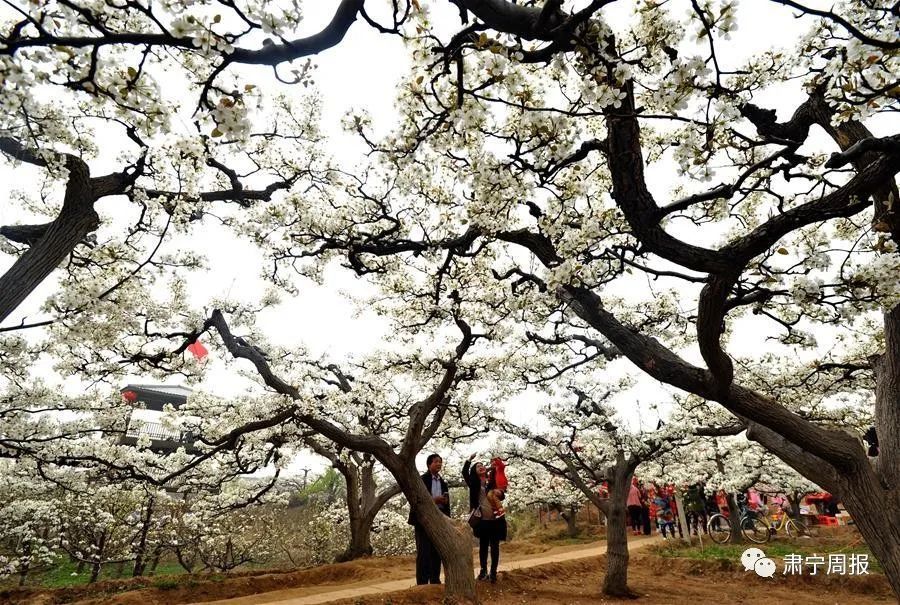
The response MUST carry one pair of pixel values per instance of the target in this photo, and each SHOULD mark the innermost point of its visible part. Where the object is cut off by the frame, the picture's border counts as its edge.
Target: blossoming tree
(519, 180)
(587, 448)
(614, 184)
(364, 499)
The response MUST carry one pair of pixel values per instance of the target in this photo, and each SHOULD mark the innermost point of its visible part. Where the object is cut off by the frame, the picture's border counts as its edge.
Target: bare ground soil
(655, 579)
(177, 590)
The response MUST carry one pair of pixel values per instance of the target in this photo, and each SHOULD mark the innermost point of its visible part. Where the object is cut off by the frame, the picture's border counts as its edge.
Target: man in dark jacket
(428, 561)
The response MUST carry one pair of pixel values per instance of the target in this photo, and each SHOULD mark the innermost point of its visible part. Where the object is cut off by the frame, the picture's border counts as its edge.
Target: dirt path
(323, 594)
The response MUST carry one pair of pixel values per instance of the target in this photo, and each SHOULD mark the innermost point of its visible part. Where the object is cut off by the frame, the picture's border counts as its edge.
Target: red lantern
(198, 350)
(129, 396)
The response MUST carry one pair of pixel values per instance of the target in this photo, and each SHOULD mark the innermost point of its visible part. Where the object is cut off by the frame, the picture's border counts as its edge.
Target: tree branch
(835, 18)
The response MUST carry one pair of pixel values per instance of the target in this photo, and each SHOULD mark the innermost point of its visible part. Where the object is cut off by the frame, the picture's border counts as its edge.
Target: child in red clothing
(500, 483)
(499, 468)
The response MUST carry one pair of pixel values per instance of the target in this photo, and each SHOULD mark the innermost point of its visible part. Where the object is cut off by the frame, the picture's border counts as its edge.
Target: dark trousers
(634, 514)
(663, 525)
(494, 543)
(428, 561)
(696, 521)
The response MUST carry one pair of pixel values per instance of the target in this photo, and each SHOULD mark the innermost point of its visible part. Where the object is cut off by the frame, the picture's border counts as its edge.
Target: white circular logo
(754, 559)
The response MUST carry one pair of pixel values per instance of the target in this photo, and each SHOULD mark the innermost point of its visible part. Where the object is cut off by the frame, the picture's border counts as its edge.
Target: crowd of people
(650, 504)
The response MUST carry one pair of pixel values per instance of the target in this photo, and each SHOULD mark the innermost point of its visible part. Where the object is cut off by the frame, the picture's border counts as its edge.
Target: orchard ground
(659, 573)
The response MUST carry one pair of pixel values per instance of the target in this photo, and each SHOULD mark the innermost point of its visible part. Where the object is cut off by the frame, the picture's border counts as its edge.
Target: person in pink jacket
(754, 500)
(634, 507)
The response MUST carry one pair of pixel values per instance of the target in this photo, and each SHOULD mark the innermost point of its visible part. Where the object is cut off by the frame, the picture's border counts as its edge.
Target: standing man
(428, 561)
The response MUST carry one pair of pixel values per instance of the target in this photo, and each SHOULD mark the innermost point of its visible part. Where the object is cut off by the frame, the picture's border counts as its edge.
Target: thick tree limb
(719, 431)
(884, 145)
(362, 443)
(835, 447)
(24, 234)
(835, 18)
(15, 150)
(76, 219)
(330, 35)
(528, 22)
(269, 54)
(887, 401)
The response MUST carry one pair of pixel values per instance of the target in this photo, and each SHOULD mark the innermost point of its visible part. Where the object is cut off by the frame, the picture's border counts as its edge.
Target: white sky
(361, 73)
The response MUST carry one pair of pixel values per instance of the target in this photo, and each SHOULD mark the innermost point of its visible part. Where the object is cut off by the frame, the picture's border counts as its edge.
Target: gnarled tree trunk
(571, 518)
(98, 560)
(876, 512)
(734, 520)
(363, 499)
(454, 547)
(360, 539)
(615, 582)
(76, 219)
(874, 506)
(360, 526)
(794, 502)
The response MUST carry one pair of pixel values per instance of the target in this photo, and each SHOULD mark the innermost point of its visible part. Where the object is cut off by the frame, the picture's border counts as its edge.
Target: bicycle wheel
(799, 529)
(754, 529)
(718, 528)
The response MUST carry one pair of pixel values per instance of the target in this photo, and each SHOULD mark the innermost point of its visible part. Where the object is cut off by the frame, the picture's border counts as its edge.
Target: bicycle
(756, 526)
(794, 528)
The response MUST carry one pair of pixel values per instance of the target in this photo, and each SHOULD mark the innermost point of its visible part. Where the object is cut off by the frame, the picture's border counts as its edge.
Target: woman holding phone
(490, 528)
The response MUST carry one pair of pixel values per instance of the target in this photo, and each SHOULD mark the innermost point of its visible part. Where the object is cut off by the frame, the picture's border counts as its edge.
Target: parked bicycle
(756, 527)
(752, 527)
(794, 528)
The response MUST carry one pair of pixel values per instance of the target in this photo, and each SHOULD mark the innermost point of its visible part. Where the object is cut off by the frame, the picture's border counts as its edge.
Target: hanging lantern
(198, 350)
(129, 396)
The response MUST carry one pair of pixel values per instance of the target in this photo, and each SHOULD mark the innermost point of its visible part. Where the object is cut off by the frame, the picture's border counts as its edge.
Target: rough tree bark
(875, 507)
(734, 519)
(615, 582)
(618, 475)
(360, 540)
(76, 219)
(51, 244)
(454, 547)
(794, 502)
